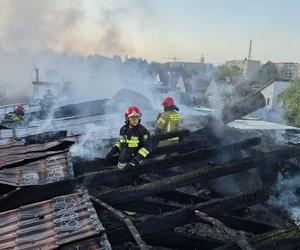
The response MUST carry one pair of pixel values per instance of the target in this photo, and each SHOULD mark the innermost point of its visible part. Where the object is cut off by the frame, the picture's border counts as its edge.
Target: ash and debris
(207, 231)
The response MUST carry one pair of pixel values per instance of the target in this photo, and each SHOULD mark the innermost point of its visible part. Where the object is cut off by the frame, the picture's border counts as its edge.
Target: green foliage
(268, 72)
(226, 71)
(291, 103)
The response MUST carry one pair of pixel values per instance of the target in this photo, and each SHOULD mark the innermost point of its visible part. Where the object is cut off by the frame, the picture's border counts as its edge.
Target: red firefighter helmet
(19, 109)
(168, 102)
(133, 111)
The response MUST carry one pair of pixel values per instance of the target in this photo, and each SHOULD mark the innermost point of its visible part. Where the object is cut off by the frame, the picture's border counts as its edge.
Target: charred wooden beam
(182, 147)
(46, 136)
(135, 234)
(160, 137)
(248, 225)
(149, 206)
(182, 241)
(26, 195)
(128, 194)
(153, 166)
(39, 193)
(183, 198)
(168, 221)
(233, 236)
(277, 239)
(81, 166)
(8, 194)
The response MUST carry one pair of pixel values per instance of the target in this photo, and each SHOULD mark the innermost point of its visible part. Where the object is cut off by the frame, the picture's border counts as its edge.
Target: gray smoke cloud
(287, 197)
(113, 41)
(65, 36)
(34, 25)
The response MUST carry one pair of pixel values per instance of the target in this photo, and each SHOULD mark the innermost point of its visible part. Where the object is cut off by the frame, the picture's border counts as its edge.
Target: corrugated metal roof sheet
(9, 142)
(49, 224)
(11, 159)
(51, 169)
(17, 152)
(22, 149)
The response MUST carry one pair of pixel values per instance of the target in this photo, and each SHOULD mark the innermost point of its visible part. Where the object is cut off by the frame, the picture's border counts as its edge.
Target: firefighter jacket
(134, 144)
(168, 121)
(14, 117)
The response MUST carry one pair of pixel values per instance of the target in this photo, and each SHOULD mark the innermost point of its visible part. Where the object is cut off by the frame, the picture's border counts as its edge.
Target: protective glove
(122, 166)
(132, 163)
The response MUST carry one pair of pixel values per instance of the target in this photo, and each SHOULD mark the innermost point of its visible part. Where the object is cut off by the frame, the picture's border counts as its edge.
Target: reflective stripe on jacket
(134, 143)
(168, 121)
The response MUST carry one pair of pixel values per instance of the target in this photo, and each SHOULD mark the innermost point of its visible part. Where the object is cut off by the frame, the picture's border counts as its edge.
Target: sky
(155, 29)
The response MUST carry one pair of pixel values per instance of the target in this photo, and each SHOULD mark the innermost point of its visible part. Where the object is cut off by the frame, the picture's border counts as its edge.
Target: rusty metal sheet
(22, 149)
(9, 142)
(12, 159)
(51, 169)
(49, 224)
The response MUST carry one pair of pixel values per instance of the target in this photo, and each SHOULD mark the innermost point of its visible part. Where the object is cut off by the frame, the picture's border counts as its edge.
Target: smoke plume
(287, 197)
(65, 36)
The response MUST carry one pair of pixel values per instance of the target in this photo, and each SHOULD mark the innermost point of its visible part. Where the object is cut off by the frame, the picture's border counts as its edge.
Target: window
(268, 101)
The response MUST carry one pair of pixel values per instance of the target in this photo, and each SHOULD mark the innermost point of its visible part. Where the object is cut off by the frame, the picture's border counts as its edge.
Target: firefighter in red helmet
(169, 120)
(17, 115)
(134, 143)
(19, 110)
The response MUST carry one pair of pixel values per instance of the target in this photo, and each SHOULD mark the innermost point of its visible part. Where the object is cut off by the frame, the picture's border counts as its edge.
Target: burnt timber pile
(177, 198)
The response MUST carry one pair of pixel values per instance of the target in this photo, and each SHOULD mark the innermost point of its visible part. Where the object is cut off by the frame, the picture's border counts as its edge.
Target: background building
(272, 92)
(248, 67)
(288, 70)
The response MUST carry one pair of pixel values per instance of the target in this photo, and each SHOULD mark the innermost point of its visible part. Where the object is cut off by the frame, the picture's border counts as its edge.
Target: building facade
(272, 92)
(288, 70)
(248, 67)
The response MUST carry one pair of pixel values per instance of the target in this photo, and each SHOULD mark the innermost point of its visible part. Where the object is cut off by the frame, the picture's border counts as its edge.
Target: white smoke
(91, 144)
(216, 96)
(225, 92)
(287, 197)
(48, 123)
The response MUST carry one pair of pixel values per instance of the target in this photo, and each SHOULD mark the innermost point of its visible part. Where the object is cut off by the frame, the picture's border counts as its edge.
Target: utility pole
(250, 50)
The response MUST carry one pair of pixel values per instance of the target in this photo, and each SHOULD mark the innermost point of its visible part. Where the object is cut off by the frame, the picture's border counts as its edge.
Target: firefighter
(17, 115)
(47, 101)
(134, 143)
(168, 121)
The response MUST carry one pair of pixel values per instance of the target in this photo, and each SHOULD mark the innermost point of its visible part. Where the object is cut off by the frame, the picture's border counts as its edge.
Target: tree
(291, 103)
(268, 72)
(229, 71)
